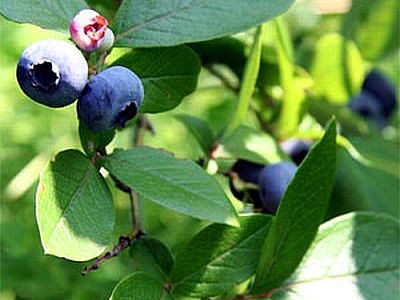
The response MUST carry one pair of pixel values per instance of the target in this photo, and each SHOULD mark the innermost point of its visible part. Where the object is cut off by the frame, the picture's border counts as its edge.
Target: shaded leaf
(374, 26)
(367, 187)
(55, 14)
(299, 215)
(94, 141)
(219, 257)
(168, 75)
(250, 144)
(74, 208)
(152, 256)
(139, 285)
(179, 185)
(200, 130)
(170, 22)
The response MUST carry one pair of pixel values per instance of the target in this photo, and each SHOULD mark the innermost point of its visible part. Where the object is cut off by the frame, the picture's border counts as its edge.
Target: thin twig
(123, 243)
(142, 125)
(133, 196)
(225, 81)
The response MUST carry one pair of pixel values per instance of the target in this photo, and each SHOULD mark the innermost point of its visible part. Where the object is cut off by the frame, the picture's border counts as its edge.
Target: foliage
(223, 80)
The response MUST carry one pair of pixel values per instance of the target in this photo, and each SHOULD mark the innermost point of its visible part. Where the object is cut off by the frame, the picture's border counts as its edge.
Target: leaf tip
(232, 221)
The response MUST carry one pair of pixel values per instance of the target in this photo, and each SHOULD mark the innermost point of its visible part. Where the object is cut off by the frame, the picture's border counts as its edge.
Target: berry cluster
(377, 99)
(265, 185)
(56, 73)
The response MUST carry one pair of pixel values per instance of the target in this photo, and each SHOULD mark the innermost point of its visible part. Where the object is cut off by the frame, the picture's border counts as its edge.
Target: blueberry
(382, 89)
(366, 105)
(273, 182)
(52, 72)
(247, 172)
(297, 149)
(110, 99)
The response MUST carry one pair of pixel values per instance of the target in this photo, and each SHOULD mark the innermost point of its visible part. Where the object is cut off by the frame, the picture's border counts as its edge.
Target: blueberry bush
(200, 149)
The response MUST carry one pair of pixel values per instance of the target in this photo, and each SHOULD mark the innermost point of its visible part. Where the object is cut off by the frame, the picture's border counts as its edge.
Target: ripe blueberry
(245, 172)
(297, 149)
(368, 106)
(110, 99)
(379, 86)
(273, 182)
(52, 72)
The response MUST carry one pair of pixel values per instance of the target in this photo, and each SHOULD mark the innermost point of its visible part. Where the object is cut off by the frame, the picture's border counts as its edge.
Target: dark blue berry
(52, 72)
(247, 172)
(273, 182)
(297, 149)
(110, 99)
(366, 105)
(382, 89)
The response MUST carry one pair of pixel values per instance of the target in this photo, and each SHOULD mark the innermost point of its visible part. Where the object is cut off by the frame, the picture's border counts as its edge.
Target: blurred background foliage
(333, 50)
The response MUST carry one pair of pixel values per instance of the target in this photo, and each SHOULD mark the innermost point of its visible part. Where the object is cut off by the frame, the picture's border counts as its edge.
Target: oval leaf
(299, 215)
(219, 257)
(200, 130)
(139, 286)
(179, 185)
(55, 14)
(170, 22)
(74, 208)
(168, 75)
(365, 19)
(152, 256)
(250, 144)
(354, 256)
(345, 65)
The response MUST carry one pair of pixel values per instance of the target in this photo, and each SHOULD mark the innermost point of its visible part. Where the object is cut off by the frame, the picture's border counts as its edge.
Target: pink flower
(87, 30)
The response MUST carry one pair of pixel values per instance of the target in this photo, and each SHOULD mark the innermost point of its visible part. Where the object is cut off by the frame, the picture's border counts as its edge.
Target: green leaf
(168, 75)
(346, 71)
(140, 285)
(179, 185)
(354, 256)
(169, 22)
(200, 130)
(382, 153)
(219, 257)
(250, 144)
(152, 256)
(93, 141)
(299, 215)
(55, 14)
(249, 81)
(74, 208)
(368, 187)
(366, 19)
(227, 50)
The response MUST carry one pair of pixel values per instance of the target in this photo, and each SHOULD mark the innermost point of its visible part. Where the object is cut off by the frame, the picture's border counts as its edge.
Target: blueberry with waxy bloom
(88, 30)
(52, 72)
(273, 182)
(110, 99)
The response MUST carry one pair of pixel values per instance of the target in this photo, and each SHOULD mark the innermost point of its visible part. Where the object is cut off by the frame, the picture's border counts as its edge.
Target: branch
(137, 227)
(123, 243)
(142, 125)
(225, 81)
